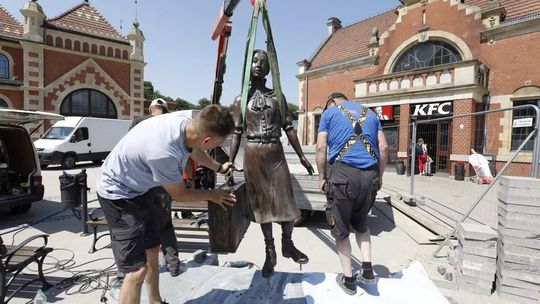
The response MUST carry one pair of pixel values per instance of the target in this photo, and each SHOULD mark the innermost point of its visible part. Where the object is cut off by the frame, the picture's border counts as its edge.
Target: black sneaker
(348, 288)
(362, 278)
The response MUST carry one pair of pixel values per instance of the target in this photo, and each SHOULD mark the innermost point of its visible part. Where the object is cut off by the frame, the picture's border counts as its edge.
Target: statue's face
(259, 67)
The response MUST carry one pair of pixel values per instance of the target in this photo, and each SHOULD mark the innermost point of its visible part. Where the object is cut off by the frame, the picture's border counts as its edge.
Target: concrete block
(518, 274)
(533, 294)
(474, 289)
(519, 182)
(527, 225)
(521, 198)
(471, 231)
(472, 261)
(519, 249)
(488, 284)
(443, 282)
(517, 283)
(517, 233)
(532, 261)
(516, 299)
(528, 243)
(485, 252)
(518, 216)
(408, 199)
(518, 267)
(452, 257)
(476, 243)
(519, 208)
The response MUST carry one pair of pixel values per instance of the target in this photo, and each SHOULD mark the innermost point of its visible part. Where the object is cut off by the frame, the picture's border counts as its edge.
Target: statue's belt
(263, 139)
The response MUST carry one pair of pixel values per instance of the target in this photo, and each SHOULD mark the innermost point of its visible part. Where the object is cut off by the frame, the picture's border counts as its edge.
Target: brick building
(72, 64)
(435, 58)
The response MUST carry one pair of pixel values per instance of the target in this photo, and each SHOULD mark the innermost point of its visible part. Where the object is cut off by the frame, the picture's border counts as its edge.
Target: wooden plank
(227, 228)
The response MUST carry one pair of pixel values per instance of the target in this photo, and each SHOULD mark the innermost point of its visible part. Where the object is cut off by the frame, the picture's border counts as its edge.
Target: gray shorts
(350, 193)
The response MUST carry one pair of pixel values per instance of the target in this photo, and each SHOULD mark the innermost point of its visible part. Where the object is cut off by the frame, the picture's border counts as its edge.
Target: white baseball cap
(159, 102)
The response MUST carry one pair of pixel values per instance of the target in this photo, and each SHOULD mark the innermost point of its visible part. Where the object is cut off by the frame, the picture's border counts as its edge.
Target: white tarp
(410, 286)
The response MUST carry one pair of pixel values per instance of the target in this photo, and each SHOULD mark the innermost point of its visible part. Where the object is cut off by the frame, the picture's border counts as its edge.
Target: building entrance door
(437, 137)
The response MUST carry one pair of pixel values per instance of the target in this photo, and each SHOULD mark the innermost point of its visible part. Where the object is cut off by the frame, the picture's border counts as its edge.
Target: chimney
(334, 24)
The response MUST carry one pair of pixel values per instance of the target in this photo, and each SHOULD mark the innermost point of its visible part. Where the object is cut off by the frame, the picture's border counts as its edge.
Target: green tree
(148, 90)
(182, 104)
(203, 102)
(294, 110)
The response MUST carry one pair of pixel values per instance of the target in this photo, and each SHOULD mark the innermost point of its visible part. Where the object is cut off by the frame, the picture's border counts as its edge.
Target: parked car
(80, 139)
(20, 174)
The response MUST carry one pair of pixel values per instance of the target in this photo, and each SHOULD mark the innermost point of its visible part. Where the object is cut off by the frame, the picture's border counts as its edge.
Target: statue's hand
(307, 165)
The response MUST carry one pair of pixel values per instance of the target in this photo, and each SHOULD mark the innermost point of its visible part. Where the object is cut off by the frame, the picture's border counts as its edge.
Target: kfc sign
(433, 109)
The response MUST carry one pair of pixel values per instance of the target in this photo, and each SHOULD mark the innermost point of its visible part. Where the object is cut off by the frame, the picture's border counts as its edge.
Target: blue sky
(181, 56)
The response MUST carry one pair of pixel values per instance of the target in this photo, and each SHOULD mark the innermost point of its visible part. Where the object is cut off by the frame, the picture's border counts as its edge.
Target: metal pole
(466, 215)
(413, 158)
(536, 149)
(81, 180)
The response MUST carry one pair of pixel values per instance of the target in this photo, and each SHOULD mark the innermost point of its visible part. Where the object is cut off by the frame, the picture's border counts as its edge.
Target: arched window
(424, 55)
(3, 104)
(87, 102)
(4, 67)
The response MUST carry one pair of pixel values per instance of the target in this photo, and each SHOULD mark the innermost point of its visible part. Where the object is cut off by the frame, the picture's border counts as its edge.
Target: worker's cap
(159, 102)
(333, 96)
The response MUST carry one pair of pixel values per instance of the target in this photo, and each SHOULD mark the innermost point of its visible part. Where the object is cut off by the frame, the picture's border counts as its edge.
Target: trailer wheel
(68, 161)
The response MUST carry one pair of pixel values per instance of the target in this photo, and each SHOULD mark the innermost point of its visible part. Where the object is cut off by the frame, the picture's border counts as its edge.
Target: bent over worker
(154, 154)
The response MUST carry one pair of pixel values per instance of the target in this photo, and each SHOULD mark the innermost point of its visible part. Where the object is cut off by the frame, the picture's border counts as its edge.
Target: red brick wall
(16, 97)
(463, 138)
(59, 63)
(319, 88)
(511, 62)
(17, 55)
(118, 71)
(439, 16)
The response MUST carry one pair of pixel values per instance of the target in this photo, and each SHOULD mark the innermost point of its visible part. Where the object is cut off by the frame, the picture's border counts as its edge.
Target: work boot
(289, 251)
(270, 262)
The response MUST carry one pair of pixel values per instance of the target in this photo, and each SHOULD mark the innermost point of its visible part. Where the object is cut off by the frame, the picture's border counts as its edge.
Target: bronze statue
(267, 175)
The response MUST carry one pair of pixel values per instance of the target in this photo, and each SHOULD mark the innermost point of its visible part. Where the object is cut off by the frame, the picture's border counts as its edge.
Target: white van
(80, 139)
(20, 175)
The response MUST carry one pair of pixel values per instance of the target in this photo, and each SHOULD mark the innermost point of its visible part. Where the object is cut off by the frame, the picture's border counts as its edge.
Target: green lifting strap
(260, 6)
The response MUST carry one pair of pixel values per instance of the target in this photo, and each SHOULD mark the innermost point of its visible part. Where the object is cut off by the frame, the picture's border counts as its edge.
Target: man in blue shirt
(350, 138)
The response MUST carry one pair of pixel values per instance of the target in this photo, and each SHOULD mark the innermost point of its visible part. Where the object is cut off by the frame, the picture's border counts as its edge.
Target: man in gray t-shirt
(154, 153)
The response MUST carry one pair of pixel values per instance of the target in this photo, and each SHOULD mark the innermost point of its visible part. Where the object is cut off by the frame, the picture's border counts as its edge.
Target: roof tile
(352, 41)
(86, 19)
(9, 26)
(514, 8)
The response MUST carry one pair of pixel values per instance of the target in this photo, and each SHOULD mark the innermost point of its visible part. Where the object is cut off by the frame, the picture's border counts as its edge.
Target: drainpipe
(486, 101)
(306, 107)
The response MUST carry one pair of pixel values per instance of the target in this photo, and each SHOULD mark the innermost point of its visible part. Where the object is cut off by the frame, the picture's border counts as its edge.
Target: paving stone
(532, 261)
(519, 250)
(476, 243)
(521, 198)
(519, 208)
(518, 233)
(529, 243)
(518, 216)
(472, 231)
(483, 275)
(485, 252)
(518, 267)
(517, 283)
(505, 272)
(533, 294)
(527, 225)
(520, 182)
(476, 281)
(516, 299)
(471, 261)
(474, 289)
